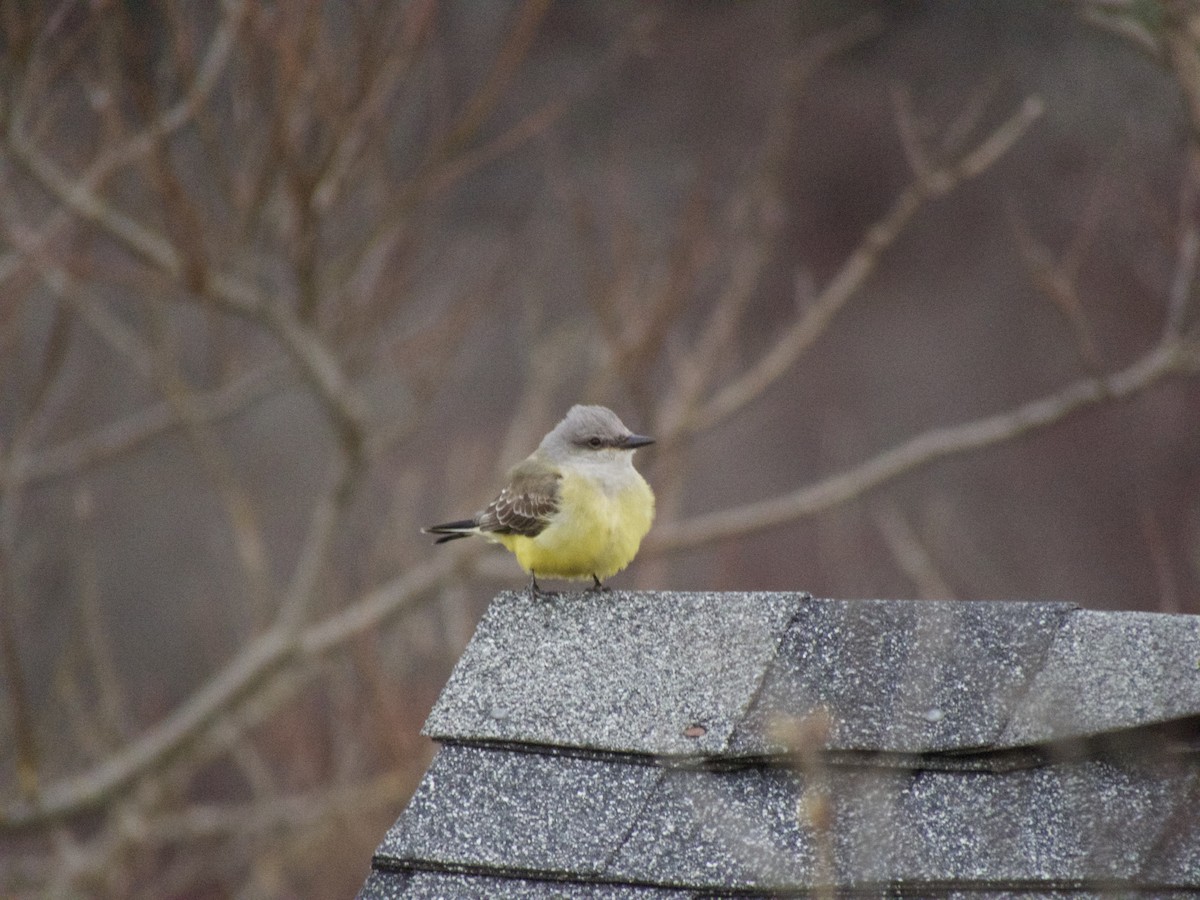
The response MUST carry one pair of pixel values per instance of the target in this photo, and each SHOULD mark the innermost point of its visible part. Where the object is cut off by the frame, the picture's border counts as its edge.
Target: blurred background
(905, 290)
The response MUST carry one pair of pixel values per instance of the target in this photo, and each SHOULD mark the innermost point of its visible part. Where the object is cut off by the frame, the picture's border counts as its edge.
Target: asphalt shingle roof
(627, 674)
(621, 745)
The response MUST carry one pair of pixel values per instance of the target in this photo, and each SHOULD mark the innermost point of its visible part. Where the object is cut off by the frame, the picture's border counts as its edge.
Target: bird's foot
(597, 587)
(536, 593)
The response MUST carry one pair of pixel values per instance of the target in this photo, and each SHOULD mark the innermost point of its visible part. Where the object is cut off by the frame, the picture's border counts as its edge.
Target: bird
(575, 508)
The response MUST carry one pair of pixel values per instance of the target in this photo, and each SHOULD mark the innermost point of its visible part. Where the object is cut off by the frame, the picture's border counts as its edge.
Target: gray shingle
(519, 812)
(1075, 824)
(445, 886)
(625, 672)
(454, 886)
(383, 886)
(905, 677)
(1088, 822)
(565, 726)
(1107, 671)
(719, 830)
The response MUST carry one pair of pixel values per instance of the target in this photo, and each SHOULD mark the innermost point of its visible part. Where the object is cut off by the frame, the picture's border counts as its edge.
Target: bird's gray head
(588, 430)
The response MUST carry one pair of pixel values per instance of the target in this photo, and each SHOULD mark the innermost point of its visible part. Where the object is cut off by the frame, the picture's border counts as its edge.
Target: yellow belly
(592, 534)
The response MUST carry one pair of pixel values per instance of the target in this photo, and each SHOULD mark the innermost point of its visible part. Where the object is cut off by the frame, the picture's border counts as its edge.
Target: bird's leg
(597, 586)
(534, 591)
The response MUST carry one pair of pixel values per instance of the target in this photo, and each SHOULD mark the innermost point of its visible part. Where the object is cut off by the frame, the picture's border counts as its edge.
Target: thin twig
(1123, 24)
(343, 405)
(1056, 281)
(1158, 549)
(243, 678)
(939, 443)
(141, 144)
(1187, 252)
(913, 558)
(19, 708)
(76, 455)
(318, 542)
(443, 170)
(1177, 32)
(802, 334)
(756, 223)
(24, 433)
(419, 20)
(112, 703)
(243, 521)
(491, 88)
(208, 821)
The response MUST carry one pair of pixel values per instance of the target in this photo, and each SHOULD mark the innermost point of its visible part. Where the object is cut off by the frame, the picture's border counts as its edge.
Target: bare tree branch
(757, 221)
(265, 197)
(493, 85)
(911, 555)
(1180, 296)
(207, 821)
(1180, 31)
(19, 708)
(242, 519)
(419, 21)
(257, 665)
(1166, 359)
(1118, 18)
(795, 340)
(1056, 281)
(324, 521)
(141, 144)
(76, 455)
(318, 365)
(11, 589)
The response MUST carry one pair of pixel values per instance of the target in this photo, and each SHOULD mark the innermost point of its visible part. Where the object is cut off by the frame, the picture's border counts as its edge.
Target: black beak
(633, 441)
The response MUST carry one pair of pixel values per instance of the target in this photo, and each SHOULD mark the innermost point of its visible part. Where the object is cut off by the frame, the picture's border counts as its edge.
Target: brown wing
(525, 506)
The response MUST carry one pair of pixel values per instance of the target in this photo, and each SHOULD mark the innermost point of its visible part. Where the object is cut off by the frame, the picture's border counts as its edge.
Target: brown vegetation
(906, 298)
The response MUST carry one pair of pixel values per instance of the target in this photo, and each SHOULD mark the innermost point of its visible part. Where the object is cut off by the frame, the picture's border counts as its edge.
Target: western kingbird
(575, 508)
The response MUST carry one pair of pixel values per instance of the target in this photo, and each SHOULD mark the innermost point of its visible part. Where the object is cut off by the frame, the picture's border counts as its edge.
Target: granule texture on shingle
(1090, 821)
(417, 885)
(716, 830)
(1107, 671)
(516, 811)
(384, 886)
(1074, 823)
(1176, 857)
(746, 829)
(904, 677)
(620, 746)
(647, 673)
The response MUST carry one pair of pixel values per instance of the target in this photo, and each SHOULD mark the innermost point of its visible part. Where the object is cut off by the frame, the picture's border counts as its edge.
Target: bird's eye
(595, 443)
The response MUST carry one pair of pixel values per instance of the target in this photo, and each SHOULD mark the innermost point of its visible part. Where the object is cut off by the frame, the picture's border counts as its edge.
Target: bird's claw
(536, 593)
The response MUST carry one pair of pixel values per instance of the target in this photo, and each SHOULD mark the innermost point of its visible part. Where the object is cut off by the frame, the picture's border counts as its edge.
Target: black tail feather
(451, 530)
